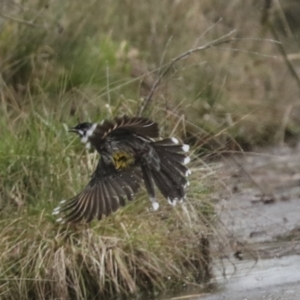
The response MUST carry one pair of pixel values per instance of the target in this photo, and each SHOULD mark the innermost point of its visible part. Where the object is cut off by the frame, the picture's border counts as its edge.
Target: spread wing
(107, 190)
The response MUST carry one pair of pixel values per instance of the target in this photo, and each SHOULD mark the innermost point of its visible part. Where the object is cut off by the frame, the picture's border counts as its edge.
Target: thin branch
(269, 22)
(24, 22)
(206, 31)
(214, 43)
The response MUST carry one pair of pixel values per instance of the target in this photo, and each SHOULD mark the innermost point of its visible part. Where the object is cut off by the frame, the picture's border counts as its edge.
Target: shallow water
(266, 279)
(277, 278)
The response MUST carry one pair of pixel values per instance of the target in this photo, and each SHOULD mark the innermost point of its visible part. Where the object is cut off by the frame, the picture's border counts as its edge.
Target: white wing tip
(188, 172)
(172, 202)
(60, 220)
(56, 211)
(174, 140)
(62, 202)
(155, 206)
(186, 160)
(187, 184)
(186, 148)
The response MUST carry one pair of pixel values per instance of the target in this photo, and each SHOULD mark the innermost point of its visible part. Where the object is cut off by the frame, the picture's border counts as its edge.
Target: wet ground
(272, 279)
(260, 209)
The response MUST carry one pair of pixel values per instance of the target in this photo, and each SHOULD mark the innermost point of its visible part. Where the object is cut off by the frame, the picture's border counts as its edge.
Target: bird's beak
(73, 130)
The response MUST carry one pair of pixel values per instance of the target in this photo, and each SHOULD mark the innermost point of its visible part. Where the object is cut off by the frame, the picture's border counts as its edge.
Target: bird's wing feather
(106, 191)
(140, 126)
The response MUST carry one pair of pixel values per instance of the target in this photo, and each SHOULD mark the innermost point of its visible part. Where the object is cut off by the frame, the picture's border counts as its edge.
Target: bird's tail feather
(170, 178)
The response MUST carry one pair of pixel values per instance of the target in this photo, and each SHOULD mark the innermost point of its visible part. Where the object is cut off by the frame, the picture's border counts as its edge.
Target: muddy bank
(260, 209)
(261, 203)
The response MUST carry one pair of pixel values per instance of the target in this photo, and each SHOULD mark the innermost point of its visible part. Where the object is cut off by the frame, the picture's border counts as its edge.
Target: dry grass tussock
(135, 251)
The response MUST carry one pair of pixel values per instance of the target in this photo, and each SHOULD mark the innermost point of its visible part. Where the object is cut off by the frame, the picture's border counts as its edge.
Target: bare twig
(283, 18)
(222, 40)
(281, 48)
(266, 11)
(285, 57)
(24, 22)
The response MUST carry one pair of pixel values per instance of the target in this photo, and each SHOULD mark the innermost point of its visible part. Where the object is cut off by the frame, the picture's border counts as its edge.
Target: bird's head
(84, 130)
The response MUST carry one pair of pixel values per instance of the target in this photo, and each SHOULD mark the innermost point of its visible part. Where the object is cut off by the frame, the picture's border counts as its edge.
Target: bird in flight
(130, 153)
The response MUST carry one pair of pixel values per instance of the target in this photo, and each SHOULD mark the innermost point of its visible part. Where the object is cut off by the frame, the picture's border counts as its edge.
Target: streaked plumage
(129, 156)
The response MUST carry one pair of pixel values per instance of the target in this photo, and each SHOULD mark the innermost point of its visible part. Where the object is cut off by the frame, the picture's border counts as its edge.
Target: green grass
(87, 51)
(134, 251)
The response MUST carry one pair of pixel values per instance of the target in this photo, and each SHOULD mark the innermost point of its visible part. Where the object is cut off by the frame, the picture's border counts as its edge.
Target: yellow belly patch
(122, 160)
